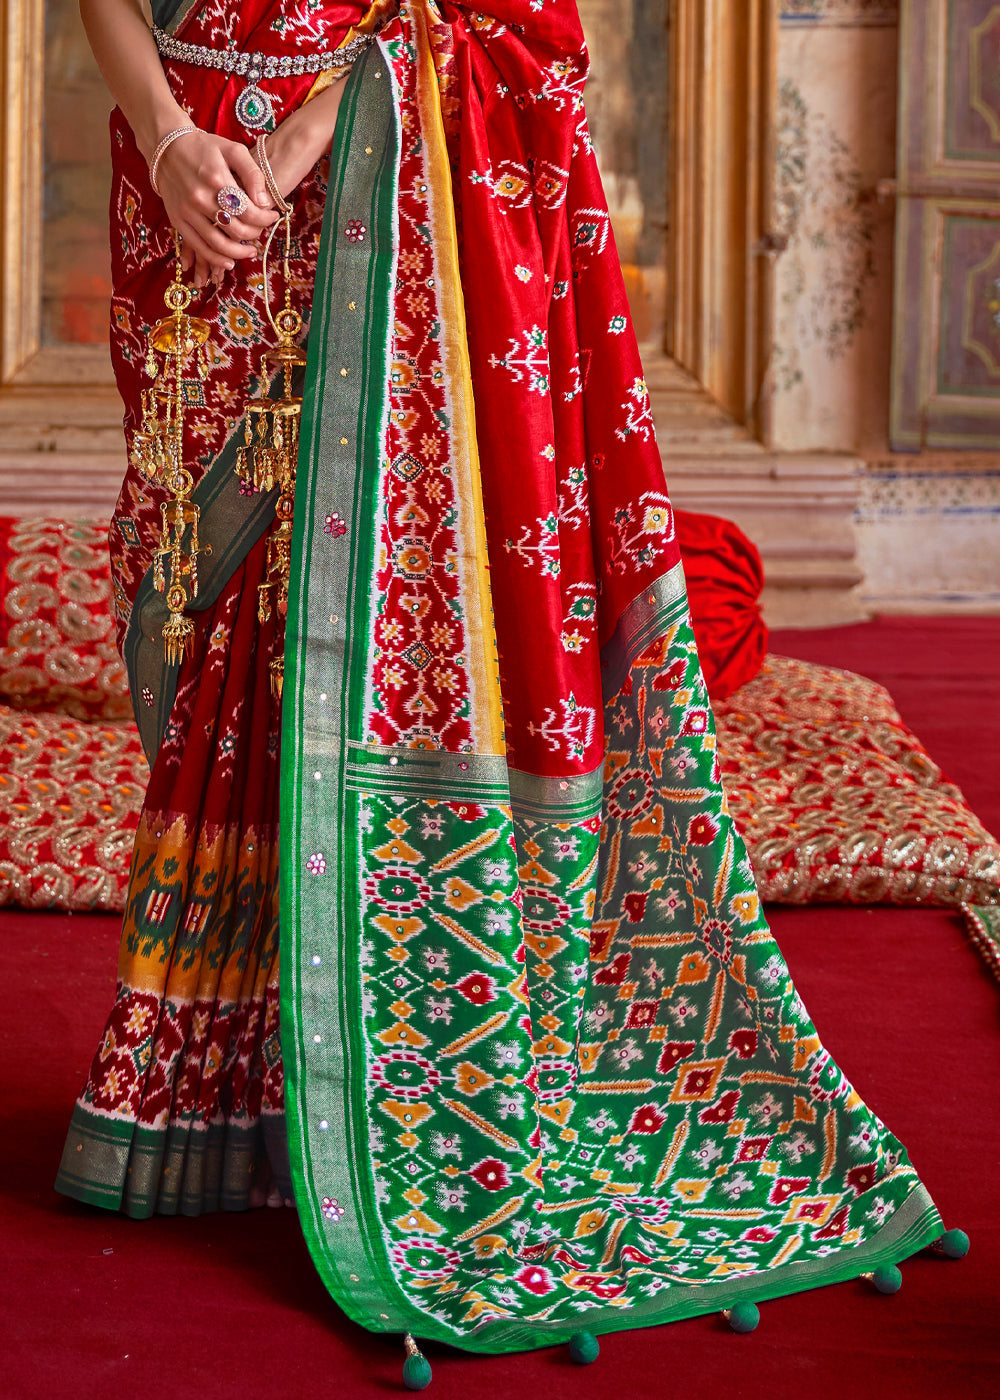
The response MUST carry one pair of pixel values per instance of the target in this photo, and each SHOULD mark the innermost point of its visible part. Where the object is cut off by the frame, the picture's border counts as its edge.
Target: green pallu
(529, 1089)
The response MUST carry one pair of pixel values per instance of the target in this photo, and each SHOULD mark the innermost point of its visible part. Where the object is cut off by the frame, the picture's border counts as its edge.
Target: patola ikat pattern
(541, 1062)
(591, 1096)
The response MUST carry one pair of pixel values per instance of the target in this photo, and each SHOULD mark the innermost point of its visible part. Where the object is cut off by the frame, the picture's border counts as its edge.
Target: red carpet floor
(228, 1307)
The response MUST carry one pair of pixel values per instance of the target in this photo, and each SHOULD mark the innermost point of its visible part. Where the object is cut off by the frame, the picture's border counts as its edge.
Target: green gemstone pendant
(253, 108)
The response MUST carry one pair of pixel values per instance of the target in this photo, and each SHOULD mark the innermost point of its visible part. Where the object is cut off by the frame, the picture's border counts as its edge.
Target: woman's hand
(191, 172)
(303, 138)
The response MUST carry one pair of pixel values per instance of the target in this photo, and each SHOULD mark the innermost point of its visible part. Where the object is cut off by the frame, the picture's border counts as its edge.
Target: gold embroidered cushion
(57, 636)
(70, 794)
(839, 802)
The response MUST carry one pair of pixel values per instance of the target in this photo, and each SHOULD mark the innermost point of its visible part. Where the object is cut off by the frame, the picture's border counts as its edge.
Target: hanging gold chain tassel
(269, 456)
(158, 454)
(179, 516)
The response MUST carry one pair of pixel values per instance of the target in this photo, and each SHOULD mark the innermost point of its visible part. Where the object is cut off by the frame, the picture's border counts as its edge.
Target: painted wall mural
(836, 139)
(826, 215)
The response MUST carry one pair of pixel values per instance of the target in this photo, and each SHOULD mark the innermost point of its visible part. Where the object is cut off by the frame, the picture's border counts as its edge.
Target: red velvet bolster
(724, 578)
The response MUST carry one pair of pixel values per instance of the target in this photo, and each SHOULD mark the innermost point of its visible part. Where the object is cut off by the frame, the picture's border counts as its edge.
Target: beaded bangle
(272, 185)
(170, 137)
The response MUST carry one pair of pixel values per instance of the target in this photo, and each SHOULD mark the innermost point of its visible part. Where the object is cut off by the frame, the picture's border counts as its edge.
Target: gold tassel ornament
(158, 454)
(269, 456)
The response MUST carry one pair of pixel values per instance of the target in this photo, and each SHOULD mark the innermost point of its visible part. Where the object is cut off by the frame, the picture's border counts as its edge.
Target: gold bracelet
(170, 137)
(272, 185)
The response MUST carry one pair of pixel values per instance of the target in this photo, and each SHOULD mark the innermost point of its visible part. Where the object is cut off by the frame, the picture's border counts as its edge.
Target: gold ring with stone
(232, 201)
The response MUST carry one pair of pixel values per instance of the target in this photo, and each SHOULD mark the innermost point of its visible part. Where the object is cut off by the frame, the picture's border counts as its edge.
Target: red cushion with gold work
(57, 634)
(70, 794)
(839, 801)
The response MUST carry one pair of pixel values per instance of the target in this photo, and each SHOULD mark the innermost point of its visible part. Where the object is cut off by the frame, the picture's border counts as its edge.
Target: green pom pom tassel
(416, 1367)
(744, 1317)
(416, 1373)
(584, 1348)
(953, 1244)
(887, 1279)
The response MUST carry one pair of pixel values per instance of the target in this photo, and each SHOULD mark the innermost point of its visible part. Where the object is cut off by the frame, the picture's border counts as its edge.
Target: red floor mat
(229, 1308)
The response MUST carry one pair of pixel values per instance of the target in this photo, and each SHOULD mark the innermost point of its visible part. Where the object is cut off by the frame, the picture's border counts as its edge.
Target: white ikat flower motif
(509, 1105)
(864, 1139)
(446, 1145)
(451, 1195)
(880, 1212)
(598, 1016)
(507, 1055)
(773, 971)
(743, 1252)
(737, 1186)
(797, 1147)
(498, 922)
(622, 1053)
(638, 414)
(565, 847)
(527, 363)
(706, 1154)
(439, 1009)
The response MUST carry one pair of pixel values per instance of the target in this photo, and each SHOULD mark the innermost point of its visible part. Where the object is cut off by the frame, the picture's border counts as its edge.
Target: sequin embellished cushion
(70, 794)
(57, 638)
(839, 802)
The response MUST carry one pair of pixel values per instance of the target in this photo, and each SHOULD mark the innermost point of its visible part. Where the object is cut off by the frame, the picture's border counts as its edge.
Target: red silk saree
(537, 1060)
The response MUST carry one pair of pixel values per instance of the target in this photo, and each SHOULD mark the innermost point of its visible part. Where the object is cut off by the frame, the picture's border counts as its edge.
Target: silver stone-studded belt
(253, 106)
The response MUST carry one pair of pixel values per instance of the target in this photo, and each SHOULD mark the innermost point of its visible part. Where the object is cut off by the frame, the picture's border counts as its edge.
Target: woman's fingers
(195, 239)
(243, 230)
(249, 174)
(225, 248)
(190, 192)
(257, 219)
(249, 224)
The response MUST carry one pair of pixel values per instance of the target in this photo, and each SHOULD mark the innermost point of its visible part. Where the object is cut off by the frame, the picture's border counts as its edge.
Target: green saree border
(658, 607)
(914, 1226)
(327, 635)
